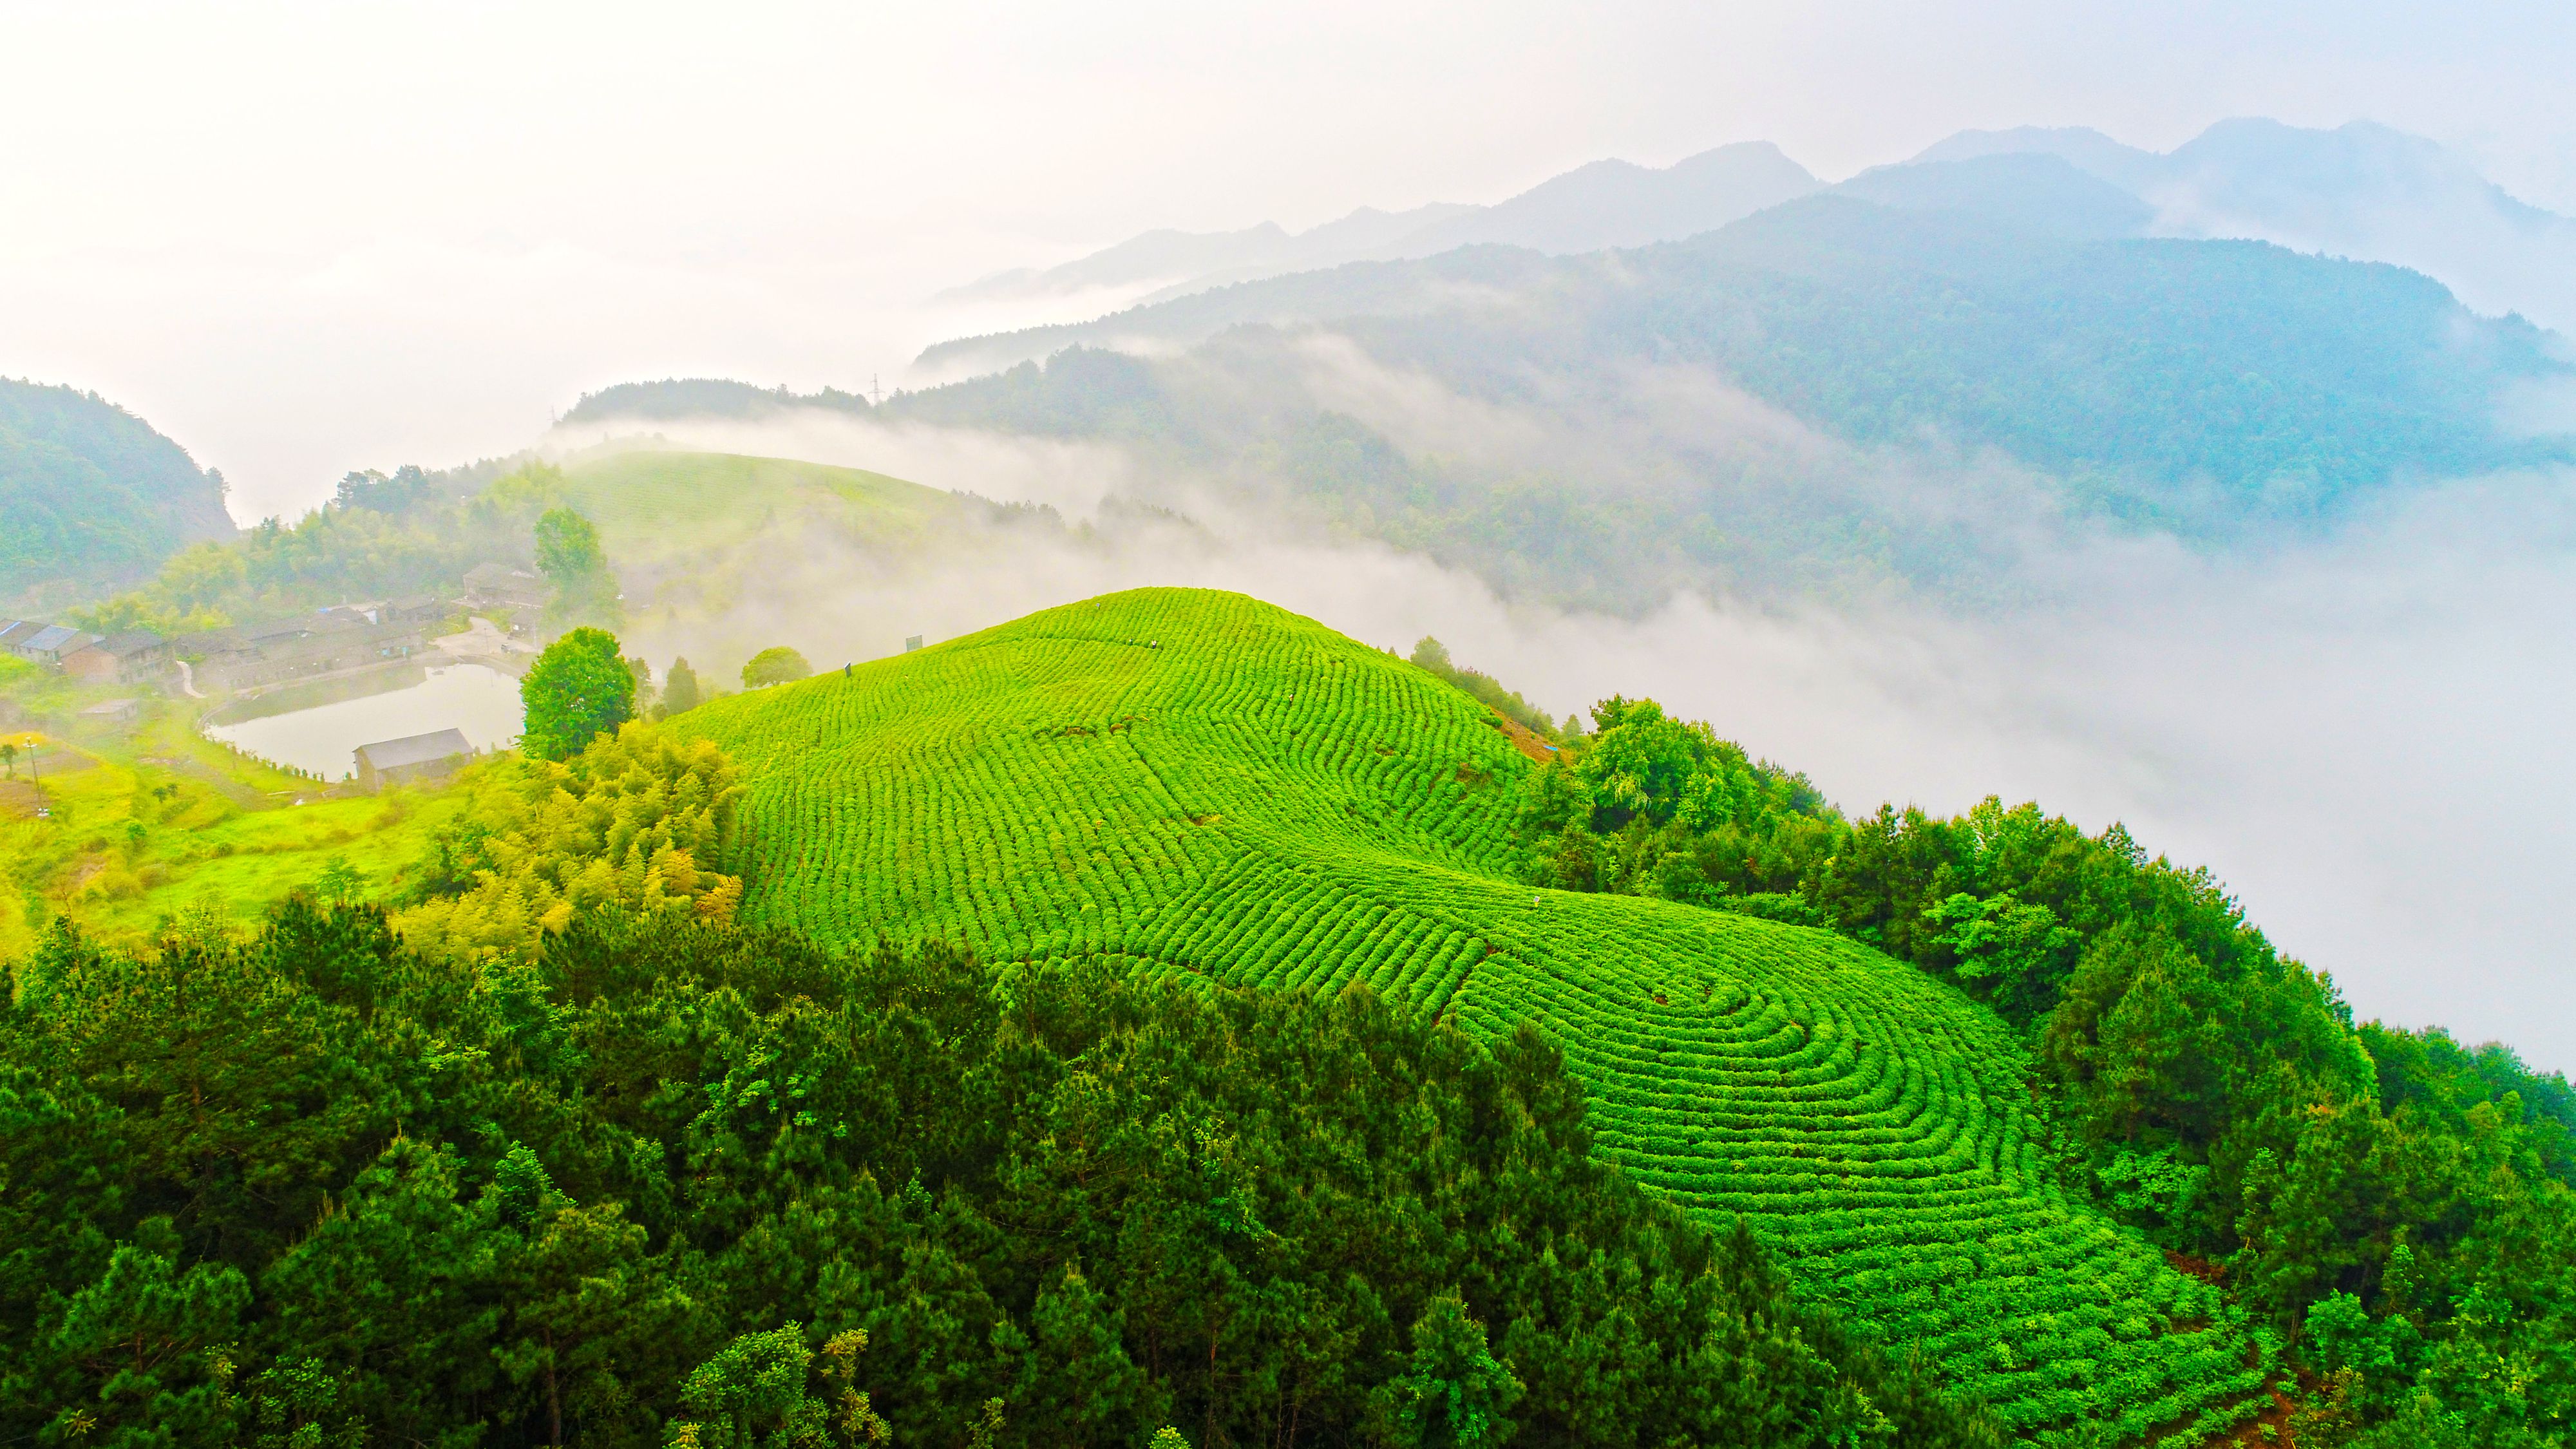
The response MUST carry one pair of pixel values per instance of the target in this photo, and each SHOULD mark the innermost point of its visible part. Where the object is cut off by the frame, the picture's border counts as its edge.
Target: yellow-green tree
(637, 820)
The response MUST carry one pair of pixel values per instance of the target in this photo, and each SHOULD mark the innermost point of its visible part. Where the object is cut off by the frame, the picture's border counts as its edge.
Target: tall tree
(568, 547)
(579, 689)
(775, 665)
(680, 689)
(569, 555)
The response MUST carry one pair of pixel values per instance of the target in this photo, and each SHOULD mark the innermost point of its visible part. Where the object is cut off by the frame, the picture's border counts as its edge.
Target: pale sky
(305, 238)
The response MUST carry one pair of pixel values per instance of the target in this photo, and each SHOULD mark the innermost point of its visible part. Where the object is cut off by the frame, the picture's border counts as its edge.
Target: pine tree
(1458, 1395)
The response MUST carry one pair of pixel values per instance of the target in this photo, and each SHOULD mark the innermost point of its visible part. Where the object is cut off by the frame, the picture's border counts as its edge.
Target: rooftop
(414, 749)
(133, 641)
(52, 636)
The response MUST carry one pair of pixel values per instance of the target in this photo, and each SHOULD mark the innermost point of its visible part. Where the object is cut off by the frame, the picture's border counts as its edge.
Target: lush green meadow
(146, 821)
(656, 509)
(1195, 782)
(699, 537)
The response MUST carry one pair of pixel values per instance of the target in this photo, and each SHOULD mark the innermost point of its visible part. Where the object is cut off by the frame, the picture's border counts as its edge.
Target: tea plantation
(1197, 782)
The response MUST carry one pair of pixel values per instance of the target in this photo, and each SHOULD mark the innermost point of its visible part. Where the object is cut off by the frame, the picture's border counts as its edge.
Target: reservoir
(317, 727)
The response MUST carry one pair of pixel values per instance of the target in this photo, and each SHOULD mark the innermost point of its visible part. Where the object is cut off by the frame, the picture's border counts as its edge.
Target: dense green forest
(2226, 392)
(94, 496)
(664, 1181)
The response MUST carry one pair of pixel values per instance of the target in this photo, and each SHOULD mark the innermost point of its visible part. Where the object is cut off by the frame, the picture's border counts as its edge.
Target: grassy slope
(230, 829)
(1202, 783)
(696, 536)
(215, 824)
(660, 509)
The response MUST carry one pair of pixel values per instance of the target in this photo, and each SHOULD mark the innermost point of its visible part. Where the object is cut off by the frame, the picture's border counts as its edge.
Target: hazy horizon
(303, 240)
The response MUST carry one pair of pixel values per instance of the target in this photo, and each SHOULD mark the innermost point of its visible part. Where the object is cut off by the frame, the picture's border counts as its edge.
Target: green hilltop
(712, 523)
(1196, 783)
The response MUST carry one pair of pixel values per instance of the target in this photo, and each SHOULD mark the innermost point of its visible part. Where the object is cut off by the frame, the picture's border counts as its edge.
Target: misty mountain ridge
(1830, 394)
(1161, 257)
(674, 398)
(2362, 190)
(1896, 378)
(2029, 192)
(1609, 203)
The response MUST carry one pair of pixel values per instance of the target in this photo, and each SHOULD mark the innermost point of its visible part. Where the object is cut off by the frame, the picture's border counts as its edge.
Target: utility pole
(36, 781)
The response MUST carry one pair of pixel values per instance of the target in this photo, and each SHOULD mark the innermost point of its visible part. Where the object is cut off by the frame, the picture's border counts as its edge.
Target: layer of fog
(2362, 736)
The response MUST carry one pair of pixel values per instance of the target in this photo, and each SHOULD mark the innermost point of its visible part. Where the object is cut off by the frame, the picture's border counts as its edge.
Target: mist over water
(2363, 736)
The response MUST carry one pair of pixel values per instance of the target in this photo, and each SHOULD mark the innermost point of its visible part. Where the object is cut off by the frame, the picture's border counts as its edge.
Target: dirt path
(482, 642)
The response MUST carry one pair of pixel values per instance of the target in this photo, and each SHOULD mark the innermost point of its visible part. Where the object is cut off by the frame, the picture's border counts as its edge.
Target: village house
(136, 654)
(414, 609)
(500, 586)
(323, 642)
(432, 756)
(119, 713)
(44, 644)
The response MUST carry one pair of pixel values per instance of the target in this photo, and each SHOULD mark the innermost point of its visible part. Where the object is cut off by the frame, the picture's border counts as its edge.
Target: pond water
(482, 703)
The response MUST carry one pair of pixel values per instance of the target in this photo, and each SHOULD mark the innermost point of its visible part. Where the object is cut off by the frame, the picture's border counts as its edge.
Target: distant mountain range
(2361, 191)
(1727, 374)
(1605, 204)
(1828, 391)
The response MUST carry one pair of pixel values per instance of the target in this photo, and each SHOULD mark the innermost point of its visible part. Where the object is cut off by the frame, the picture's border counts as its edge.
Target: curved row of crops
(1198, 782)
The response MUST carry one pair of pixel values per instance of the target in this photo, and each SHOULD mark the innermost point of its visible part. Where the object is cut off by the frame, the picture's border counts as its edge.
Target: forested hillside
(90, 496)
(700, 397)
(1198, 785)
(2218, 390)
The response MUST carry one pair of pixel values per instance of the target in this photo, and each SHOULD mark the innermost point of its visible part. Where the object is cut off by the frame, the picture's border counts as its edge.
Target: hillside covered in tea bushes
(1200, 785)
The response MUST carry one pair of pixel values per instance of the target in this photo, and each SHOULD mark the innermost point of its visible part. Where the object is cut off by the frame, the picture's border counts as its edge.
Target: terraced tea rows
(1198, 782)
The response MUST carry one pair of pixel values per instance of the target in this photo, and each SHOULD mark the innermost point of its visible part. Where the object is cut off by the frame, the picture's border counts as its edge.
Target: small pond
(292, 727)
